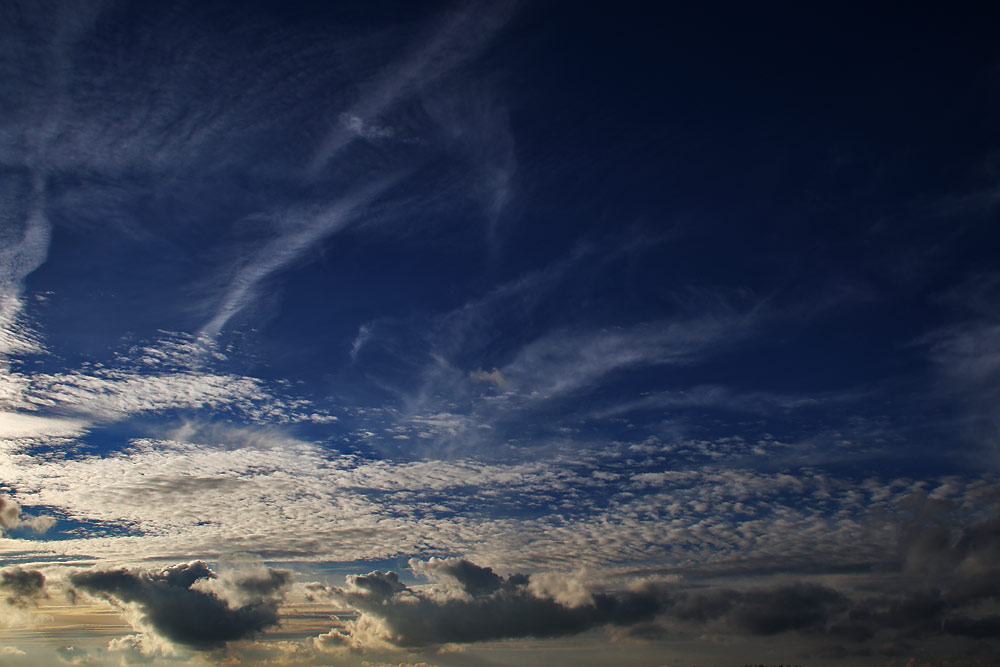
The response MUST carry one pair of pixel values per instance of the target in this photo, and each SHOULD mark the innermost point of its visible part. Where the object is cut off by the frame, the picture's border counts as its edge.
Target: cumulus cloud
(11, 517)
(479, 605)
(185, 605)
(476, 604)
(467, 603)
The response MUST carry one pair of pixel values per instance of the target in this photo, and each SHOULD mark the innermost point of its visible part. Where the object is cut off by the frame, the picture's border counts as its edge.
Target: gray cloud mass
(22, 586)
(173, 605)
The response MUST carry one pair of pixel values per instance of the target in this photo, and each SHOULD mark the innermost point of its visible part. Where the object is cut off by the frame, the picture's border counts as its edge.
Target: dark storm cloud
(948, 583)
(761, 612)
(180, 604)
(22, 586)
(787, 608)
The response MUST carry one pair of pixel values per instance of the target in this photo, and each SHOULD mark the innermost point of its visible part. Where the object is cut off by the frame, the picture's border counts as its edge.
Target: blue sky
(498, 334)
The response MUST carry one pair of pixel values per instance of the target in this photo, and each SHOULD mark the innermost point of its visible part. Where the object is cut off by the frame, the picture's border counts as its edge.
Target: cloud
(486, 607)
(22, 586)
(474, 580)
(725, 398)
(464, 33)
(24, 241)
(137, 649)
(565, 362)
(966, 358)
(111, 394)
(364, 130)
(182, 604)
(476, 125)
(175, 372)
(455, 38)
(16, 425)
(364, 333)
(494, 376)
(224, 489)
(470, 603)
(11, 518)
(25, 229)
(299, 233)
(795, 607)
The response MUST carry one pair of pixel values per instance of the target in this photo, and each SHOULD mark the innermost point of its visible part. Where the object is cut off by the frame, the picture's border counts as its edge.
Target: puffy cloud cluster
(189, 604)
(11, 517)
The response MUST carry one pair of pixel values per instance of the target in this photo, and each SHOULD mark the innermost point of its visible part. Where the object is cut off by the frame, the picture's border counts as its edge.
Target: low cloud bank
(467, 603)
(189, 604)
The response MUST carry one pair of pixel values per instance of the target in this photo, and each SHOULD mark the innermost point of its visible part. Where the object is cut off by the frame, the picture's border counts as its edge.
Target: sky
(386, 334)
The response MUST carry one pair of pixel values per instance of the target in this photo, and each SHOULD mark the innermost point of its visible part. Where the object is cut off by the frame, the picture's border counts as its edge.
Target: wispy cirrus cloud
(455, 38)
(24, 241)
(727, 398)
(298, 233)
(567, 361)
(966, 359)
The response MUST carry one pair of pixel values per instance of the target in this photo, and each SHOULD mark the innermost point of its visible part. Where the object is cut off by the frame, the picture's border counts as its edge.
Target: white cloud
(364, 333)
(169, 374)
(110, 394)
(568, 361)
(11, 517)
(16, 425)
(24, 242)
(365, 130)
(494, 376)
(257, 491)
